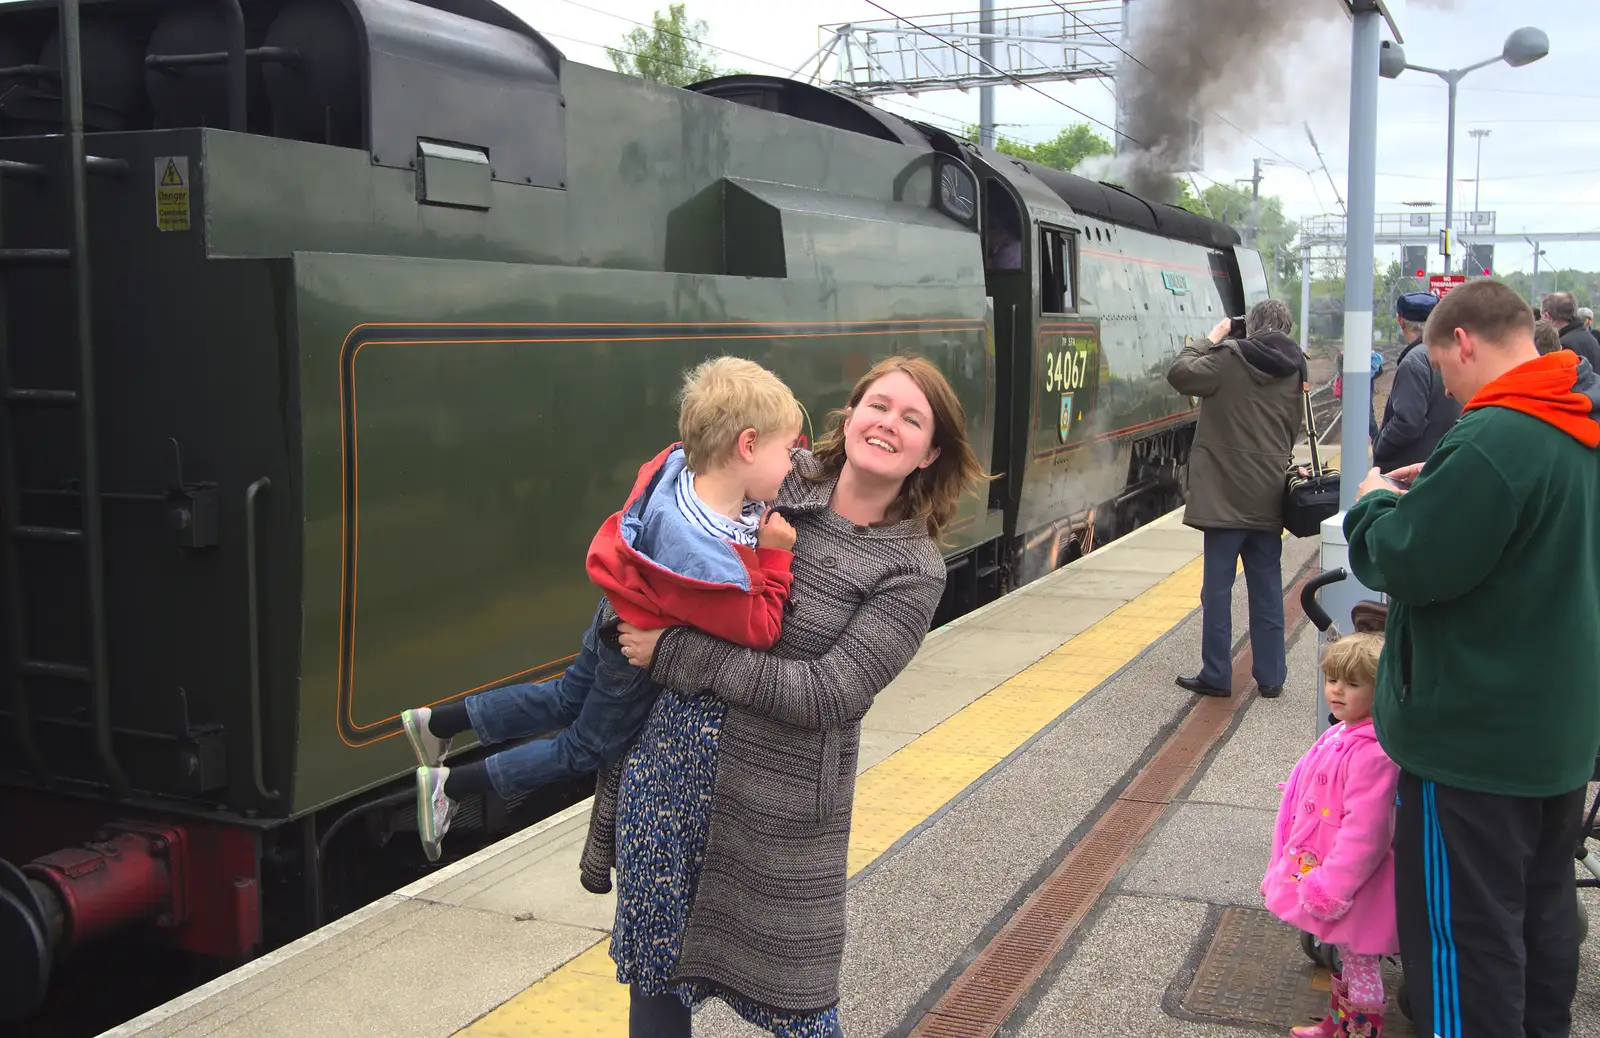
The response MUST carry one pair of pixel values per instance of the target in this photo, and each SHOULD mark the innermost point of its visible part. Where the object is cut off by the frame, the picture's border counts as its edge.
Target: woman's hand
(1220, 332)
(638, 647)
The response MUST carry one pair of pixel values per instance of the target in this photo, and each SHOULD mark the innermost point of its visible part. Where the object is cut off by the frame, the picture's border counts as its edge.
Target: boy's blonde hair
(724, 396)
(1353, 657)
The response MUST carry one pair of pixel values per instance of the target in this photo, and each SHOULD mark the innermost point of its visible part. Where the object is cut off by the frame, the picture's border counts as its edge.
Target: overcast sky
(1541, 160)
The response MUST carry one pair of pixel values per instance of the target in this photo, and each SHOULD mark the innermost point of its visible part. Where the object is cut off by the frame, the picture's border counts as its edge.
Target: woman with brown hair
(728, 821)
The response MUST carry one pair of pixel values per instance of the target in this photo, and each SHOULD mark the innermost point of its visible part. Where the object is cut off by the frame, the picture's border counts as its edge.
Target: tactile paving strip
(979, 1000)
(1254, 972)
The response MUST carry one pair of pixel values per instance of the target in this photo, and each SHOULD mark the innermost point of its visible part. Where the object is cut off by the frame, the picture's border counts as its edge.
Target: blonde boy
(693, 545)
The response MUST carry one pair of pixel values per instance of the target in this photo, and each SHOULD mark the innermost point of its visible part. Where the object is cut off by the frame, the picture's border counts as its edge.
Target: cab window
(1057, 262)
(1002, 228)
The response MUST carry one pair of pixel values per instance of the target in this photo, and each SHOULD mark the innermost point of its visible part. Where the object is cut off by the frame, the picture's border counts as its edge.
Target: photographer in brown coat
(1250, 414)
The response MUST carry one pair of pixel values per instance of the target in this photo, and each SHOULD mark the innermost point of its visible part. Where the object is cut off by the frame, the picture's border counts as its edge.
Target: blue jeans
(1263, 575)
(599, 704)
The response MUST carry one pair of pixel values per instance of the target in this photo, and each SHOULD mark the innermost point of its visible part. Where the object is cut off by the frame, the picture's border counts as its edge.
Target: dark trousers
(596, 707)
(1487, 908)
(663, 1016)
(1263, 576)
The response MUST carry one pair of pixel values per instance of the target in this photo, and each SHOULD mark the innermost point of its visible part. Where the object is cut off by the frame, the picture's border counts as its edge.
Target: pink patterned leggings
(1363, 978)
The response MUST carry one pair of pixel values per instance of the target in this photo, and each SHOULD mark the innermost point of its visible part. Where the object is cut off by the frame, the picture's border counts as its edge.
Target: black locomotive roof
(813, 104)
(1112, 203)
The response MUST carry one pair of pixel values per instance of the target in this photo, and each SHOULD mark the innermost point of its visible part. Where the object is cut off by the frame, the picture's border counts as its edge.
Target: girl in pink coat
(1332, 868)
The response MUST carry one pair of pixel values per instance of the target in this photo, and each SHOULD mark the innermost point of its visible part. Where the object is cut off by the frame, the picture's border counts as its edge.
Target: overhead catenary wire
(1022, 83)
(951, 120)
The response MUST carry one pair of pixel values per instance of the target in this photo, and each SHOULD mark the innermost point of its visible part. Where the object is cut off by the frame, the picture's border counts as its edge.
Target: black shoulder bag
(1308, 500)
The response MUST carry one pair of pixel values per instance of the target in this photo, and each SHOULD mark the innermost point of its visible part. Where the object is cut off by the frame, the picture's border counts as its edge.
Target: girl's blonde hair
(1353, 658)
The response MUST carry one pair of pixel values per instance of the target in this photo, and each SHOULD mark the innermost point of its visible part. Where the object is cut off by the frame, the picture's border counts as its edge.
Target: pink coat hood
(1332, 869)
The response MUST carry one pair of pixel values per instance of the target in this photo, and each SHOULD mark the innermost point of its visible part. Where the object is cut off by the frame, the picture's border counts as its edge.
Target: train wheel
(26, 943)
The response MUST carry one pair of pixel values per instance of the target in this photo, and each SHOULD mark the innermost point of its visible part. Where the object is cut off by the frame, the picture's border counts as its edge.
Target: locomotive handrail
(250, 495)
(238, 82)
(67, 12)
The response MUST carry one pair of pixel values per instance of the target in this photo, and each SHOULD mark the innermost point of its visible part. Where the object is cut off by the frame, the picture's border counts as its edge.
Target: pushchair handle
(1308, 597)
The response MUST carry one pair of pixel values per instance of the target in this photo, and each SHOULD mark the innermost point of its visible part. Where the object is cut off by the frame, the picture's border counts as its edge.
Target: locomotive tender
(333, 328)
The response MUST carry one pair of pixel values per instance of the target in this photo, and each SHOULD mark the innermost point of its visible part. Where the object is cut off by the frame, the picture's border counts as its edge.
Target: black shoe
(1270, 691)
(1200, 688)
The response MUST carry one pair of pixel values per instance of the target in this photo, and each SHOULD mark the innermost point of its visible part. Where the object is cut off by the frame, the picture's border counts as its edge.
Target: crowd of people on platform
(1438, 815)
(1435, 817)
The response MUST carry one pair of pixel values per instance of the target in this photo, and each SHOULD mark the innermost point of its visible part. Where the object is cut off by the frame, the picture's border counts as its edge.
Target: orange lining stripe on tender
(350, 519)
(1144, 261)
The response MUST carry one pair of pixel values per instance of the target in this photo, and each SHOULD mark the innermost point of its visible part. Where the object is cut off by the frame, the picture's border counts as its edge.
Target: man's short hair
(1560, 306)
(1546, 336)
(1488, 309)
(1585, 314)
(724, 396)
(1269, 315)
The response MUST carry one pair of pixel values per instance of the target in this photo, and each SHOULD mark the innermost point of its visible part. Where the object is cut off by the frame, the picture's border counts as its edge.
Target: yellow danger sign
(172, 193)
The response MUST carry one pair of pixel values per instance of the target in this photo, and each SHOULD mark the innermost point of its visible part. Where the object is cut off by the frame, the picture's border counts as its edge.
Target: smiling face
(889, 434)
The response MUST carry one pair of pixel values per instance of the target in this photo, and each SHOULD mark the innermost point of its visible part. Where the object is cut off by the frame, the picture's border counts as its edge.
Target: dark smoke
(1198, 55)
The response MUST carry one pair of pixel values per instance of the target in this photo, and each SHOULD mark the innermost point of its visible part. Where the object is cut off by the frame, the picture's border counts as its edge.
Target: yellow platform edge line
(581, 998)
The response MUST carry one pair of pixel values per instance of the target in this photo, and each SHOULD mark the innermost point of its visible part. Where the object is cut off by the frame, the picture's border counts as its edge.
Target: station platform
(1050, 838)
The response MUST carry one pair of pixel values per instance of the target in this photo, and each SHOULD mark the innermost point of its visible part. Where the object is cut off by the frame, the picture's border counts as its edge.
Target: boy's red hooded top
(659, 569)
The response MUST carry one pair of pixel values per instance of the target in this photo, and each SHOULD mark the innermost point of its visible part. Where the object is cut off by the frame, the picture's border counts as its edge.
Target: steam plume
(1195, 55)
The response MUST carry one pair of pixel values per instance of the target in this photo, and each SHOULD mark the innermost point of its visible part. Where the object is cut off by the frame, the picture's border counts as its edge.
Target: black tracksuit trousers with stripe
(1487, 910)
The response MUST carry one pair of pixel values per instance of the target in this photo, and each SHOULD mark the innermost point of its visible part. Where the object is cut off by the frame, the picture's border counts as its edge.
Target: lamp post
(1477, 185)
(1534, 287)
(1522, 47)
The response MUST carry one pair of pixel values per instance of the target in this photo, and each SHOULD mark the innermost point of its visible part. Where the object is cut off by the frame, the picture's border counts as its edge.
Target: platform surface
(995, 757)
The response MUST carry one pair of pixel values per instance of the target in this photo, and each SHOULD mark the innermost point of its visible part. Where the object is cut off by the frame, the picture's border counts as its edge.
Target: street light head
(1525, 46)
(1391, 59)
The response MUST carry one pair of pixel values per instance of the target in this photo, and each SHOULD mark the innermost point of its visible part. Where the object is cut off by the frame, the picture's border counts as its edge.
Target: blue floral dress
(663, 815)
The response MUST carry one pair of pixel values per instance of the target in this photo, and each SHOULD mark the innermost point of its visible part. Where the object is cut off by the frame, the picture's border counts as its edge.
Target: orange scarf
(1543, 388)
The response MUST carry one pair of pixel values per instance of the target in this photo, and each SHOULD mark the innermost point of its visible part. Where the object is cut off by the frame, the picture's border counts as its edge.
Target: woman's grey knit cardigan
(768, 919)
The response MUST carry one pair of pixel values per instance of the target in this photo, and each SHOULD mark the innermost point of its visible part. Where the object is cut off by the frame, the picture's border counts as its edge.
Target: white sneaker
(434, 810)
(429, 748)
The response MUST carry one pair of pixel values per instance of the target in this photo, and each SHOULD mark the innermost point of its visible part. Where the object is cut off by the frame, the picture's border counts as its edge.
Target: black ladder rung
(48, 533)
(65, 671)
(42, 397)
(35, 257)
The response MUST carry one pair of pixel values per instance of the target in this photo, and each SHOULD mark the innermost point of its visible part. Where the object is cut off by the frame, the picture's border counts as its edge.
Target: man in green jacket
(1488, 692)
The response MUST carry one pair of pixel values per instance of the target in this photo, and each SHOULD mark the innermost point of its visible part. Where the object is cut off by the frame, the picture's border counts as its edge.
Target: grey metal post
(1355, 448)
(1536, 251)
(1255, 207)
(986, 93)
(1450, 176)
(1305, 298)
(1477, 176)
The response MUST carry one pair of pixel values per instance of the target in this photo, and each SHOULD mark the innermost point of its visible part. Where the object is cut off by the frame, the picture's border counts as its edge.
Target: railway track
(1326, 409)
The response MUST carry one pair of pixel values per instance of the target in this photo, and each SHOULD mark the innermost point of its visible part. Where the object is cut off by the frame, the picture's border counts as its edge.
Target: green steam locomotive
(333, 328)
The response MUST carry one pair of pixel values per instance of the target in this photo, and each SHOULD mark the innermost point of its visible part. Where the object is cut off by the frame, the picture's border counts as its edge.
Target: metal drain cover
(1255, 973)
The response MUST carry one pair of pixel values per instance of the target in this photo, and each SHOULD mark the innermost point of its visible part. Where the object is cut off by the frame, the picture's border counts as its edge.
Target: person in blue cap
(1418, 413)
